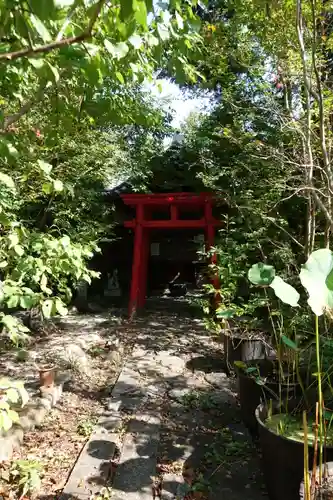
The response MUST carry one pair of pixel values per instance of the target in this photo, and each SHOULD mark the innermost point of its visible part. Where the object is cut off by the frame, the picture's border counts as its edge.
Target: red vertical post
(137, 261)
(174, 212)
(143, 268)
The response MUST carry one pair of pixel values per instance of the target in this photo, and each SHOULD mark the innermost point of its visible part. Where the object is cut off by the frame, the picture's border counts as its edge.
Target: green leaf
(136, 41)
(47, 188)
(328, 415)
(5, 421)
(126, 9)
(48, 308)
(285, 292)
(120, 77)
(118, 50)
(37, 63)
(58, 185)
(316, 278)
(251, 369)
(54, 72)
(44, 166)
(163, 32)
(13, 240)
(261, 274)
(9, 321)
(65, 241)
(152, 40)
(240, 364)
(141, 13)
(44, 10)
(12, 395)
(12, 151)
(13, 301)
(150, 5)
(14, 416)
(225, 313)
(179, 20)
(3, 264)
(7, 181)
(19, 250)
(43, 282)
(288, 342)
(61, 308)
(27, 302)
(40, 28)
(63, 3)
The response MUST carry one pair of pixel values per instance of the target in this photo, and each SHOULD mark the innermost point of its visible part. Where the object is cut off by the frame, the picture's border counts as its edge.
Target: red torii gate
(142, 223)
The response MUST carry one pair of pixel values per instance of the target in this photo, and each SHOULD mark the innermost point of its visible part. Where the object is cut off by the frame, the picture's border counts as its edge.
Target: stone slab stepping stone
(93, 467)
(137, 466)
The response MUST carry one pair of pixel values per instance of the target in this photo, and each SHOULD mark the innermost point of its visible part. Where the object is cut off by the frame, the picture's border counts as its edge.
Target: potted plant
(243, 339)
(260, 381)
(47, 373)
(283, 433)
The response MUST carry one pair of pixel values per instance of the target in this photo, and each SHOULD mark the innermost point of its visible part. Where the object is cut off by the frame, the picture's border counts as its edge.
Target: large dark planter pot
(282, 460)
(237, 348)
(251, 394)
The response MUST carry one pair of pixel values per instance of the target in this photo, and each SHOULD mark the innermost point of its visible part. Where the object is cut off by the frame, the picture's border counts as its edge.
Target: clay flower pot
(46, 375)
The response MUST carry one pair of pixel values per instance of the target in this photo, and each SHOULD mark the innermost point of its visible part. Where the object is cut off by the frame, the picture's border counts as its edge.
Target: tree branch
(43, 49)
(9, 120)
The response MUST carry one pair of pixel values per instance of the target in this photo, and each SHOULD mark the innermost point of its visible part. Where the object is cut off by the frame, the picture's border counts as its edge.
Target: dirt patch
(55, 446)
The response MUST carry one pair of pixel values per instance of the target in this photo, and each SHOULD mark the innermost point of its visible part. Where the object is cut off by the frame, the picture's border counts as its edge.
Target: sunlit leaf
(47, 188)
(141, 13)
(118, 50)
(179, 20)
(37, 63)
(136, 41)
(48, 308)
(5, 421)
(163, 32)
(261, 274)
(120, 77)
(27, 302)
(285, 292)
(12, 395)
(40, 28)
(315, 276)
(7, 181)
(54, 72)
(44, 166)
(61, 308)
(19, 250)
(13, 301)
(58, 185)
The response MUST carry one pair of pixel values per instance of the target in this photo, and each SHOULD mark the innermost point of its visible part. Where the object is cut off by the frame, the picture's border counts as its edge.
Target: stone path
(173, 414)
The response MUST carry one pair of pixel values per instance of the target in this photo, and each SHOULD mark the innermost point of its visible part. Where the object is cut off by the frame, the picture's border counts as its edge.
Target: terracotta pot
(47, 376)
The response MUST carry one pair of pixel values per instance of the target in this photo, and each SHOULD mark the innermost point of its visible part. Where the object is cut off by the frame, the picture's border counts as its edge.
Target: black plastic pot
(251, 394)
(243, 349)
(282, 459)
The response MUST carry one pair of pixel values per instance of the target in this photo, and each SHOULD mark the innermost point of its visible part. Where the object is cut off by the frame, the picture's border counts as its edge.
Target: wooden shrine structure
(176, 209)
